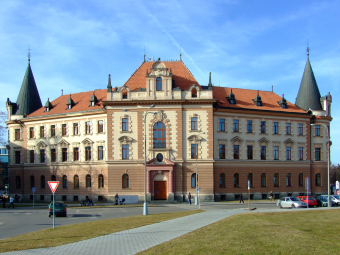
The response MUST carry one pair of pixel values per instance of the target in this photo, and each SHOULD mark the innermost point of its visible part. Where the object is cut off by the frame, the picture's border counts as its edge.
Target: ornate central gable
(159, 69)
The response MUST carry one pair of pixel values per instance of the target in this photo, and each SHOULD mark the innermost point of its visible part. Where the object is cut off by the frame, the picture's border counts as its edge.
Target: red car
(311, 200)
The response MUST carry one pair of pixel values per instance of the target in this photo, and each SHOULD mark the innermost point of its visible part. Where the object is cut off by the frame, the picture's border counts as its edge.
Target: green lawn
(293, 232)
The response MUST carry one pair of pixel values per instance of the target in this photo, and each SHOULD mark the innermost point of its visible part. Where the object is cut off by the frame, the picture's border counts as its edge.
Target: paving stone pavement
(138, 239)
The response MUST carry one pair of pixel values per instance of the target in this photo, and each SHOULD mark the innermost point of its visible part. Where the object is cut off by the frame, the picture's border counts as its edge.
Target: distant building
(93, 142)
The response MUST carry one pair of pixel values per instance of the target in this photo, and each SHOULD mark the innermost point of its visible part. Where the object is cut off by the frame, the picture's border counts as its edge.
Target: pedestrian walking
(11, 202)
(271, 196)
(3, 201)
(90, 200)
(117, 199)
(189, 198)
(241, 198)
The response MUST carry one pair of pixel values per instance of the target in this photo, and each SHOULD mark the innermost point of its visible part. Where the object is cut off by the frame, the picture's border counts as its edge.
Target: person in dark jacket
(241, 198)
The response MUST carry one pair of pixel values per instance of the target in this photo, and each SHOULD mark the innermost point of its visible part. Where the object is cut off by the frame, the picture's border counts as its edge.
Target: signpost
(307, 188)
(33, 189)
(6, 187)
(199, 201)
(249, 194)
(53, 186)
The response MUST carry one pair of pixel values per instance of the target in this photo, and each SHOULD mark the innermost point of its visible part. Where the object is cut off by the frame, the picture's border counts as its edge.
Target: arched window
(193, 180)
(100, 181)
(124, 94)
(301, 179)
(276, 180)
(64, 181)
(76, 181)
(88, 181)
(125, 181)
(236, 180)
(159, 84)
(53, 178)
(263, 180)
(32, 181)
(318, 180)
(250, 179)
(194, 92)
(222, 180)
(42, 181)
(17, 182)
(289, 180)
(159, 135)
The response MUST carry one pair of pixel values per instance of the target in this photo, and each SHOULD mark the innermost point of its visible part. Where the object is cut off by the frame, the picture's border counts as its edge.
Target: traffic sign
(34, 189)
(198, 190)
(53, 186)
(337, 184)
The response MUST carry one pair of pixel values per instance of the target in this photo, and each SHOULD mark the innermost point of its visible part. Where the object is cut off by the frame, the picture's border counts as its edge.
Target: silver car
(291, 202)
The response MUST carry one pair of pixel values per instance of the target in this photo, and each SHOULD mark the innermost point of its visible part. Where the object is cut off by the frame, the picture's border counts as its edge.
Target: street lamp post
(328, 156)
(145, 206)
(197, 188)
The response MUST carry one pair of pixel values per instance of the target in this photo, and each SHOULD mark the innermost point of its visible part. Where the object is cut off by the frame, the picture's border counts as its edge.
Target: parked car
(291, 202)
(59, 209)
(335, 199)
(310, 200)
(321, 201)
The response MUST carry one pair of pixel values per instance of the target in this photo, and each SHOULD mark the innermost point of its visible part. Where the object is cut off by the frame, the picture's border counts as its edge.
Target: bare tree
(3, 129)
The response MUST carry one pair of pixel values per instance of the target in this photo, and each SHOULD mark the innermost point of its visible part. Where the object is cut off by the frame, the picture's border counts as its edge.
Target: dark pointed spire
(109, 87)
(309, 94)
(28, 99)
(170, 71)
(210, 84)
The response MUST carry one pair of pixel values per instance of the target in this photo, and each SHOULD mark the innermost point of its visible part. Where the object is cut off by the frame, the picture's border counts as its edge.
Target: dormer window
(69, 103)
(48, 105)
(159, 84)
(93, 100)
(231, 98)
(124, 94)
(194, 92)
(91, 103)
(283, 102)
(69, 107)
(258, 100)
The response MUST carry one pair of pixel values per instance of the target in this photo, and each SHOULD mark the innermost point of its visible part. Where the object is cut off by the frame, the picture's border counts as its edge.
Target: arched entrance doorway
(160, 187)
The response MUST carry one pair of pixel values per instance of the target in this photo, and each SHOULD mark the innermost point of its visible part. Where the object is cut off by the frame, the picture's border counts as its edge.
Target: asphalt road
(24, 220)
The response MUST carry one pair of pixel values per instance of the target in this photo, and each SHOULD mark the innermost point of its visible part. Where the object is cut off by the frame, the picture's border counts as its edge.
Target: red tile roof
(81, 103)
(244, 100)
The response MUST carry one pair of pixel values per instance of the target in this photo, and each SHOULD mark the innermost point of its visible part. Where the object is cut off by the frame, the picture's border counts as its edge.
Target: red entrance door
(160, 190)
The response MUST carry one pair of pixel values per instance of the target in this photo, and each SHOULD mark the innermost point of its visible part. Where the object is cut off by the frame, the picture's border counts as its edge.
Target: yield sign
(53, 186)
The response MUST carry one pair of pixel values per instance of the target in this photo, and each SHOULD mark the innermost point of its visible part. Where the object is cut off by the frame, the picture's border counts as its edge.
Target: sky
(244, 44)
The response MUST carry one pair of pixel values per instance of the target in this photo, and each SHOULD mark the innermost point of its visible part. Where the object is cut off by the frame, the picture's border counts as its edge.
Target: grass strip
(299, 232)
(82, 231)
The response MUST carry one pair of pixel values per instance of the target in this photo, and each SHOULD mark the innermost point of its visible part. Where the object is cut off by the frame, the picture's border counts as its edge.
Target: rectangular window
(263, 127)
(75, 128)
(263, 180)
(17, 157)
(300, 153)
(235, 125)
(76, 154)
(31, 156)
(100, 152)
(17, 134)
(125, 124)
(194, 123)
(100, 126)
(222, 125)
(263, 152)
(31, 132)
(236, 152)
(53, 155)
(42, 131)
(42, 156)
(276, 152)
(125, 149)
(288, 128)
(222, 151)
(194, 150)
(249, 151)
(87, 127)
(317, 130)
(249, 126)
(52, 130)
(87, 153)
(276, 127)
(317, 154)
(63, 130)
(288, 153)
(300, 129)
(64, 154)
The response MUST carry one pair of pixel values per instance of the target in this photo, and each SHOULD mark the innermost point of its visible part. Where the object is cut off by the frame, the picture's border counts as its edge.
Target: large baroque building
(93, 142)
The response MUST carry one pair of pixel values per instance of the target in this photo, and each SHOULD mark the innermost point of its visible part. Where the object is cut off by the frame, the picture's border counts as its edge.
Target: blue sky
(245, 44)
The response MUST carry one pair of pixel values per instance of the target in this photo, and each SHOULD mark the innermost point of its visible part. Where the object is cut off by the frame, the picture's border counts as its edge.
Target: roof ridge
(136, 71)
(189, 72)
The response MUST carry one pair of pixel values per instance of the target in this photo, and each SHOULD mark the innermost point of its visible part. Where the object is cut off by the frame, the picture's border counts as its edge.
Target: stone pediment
(87, 141)
(263, 140)
(63, 143)
(289, 141)
(41, 144)
(194, 138)
(236, 139)
(125, 139)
